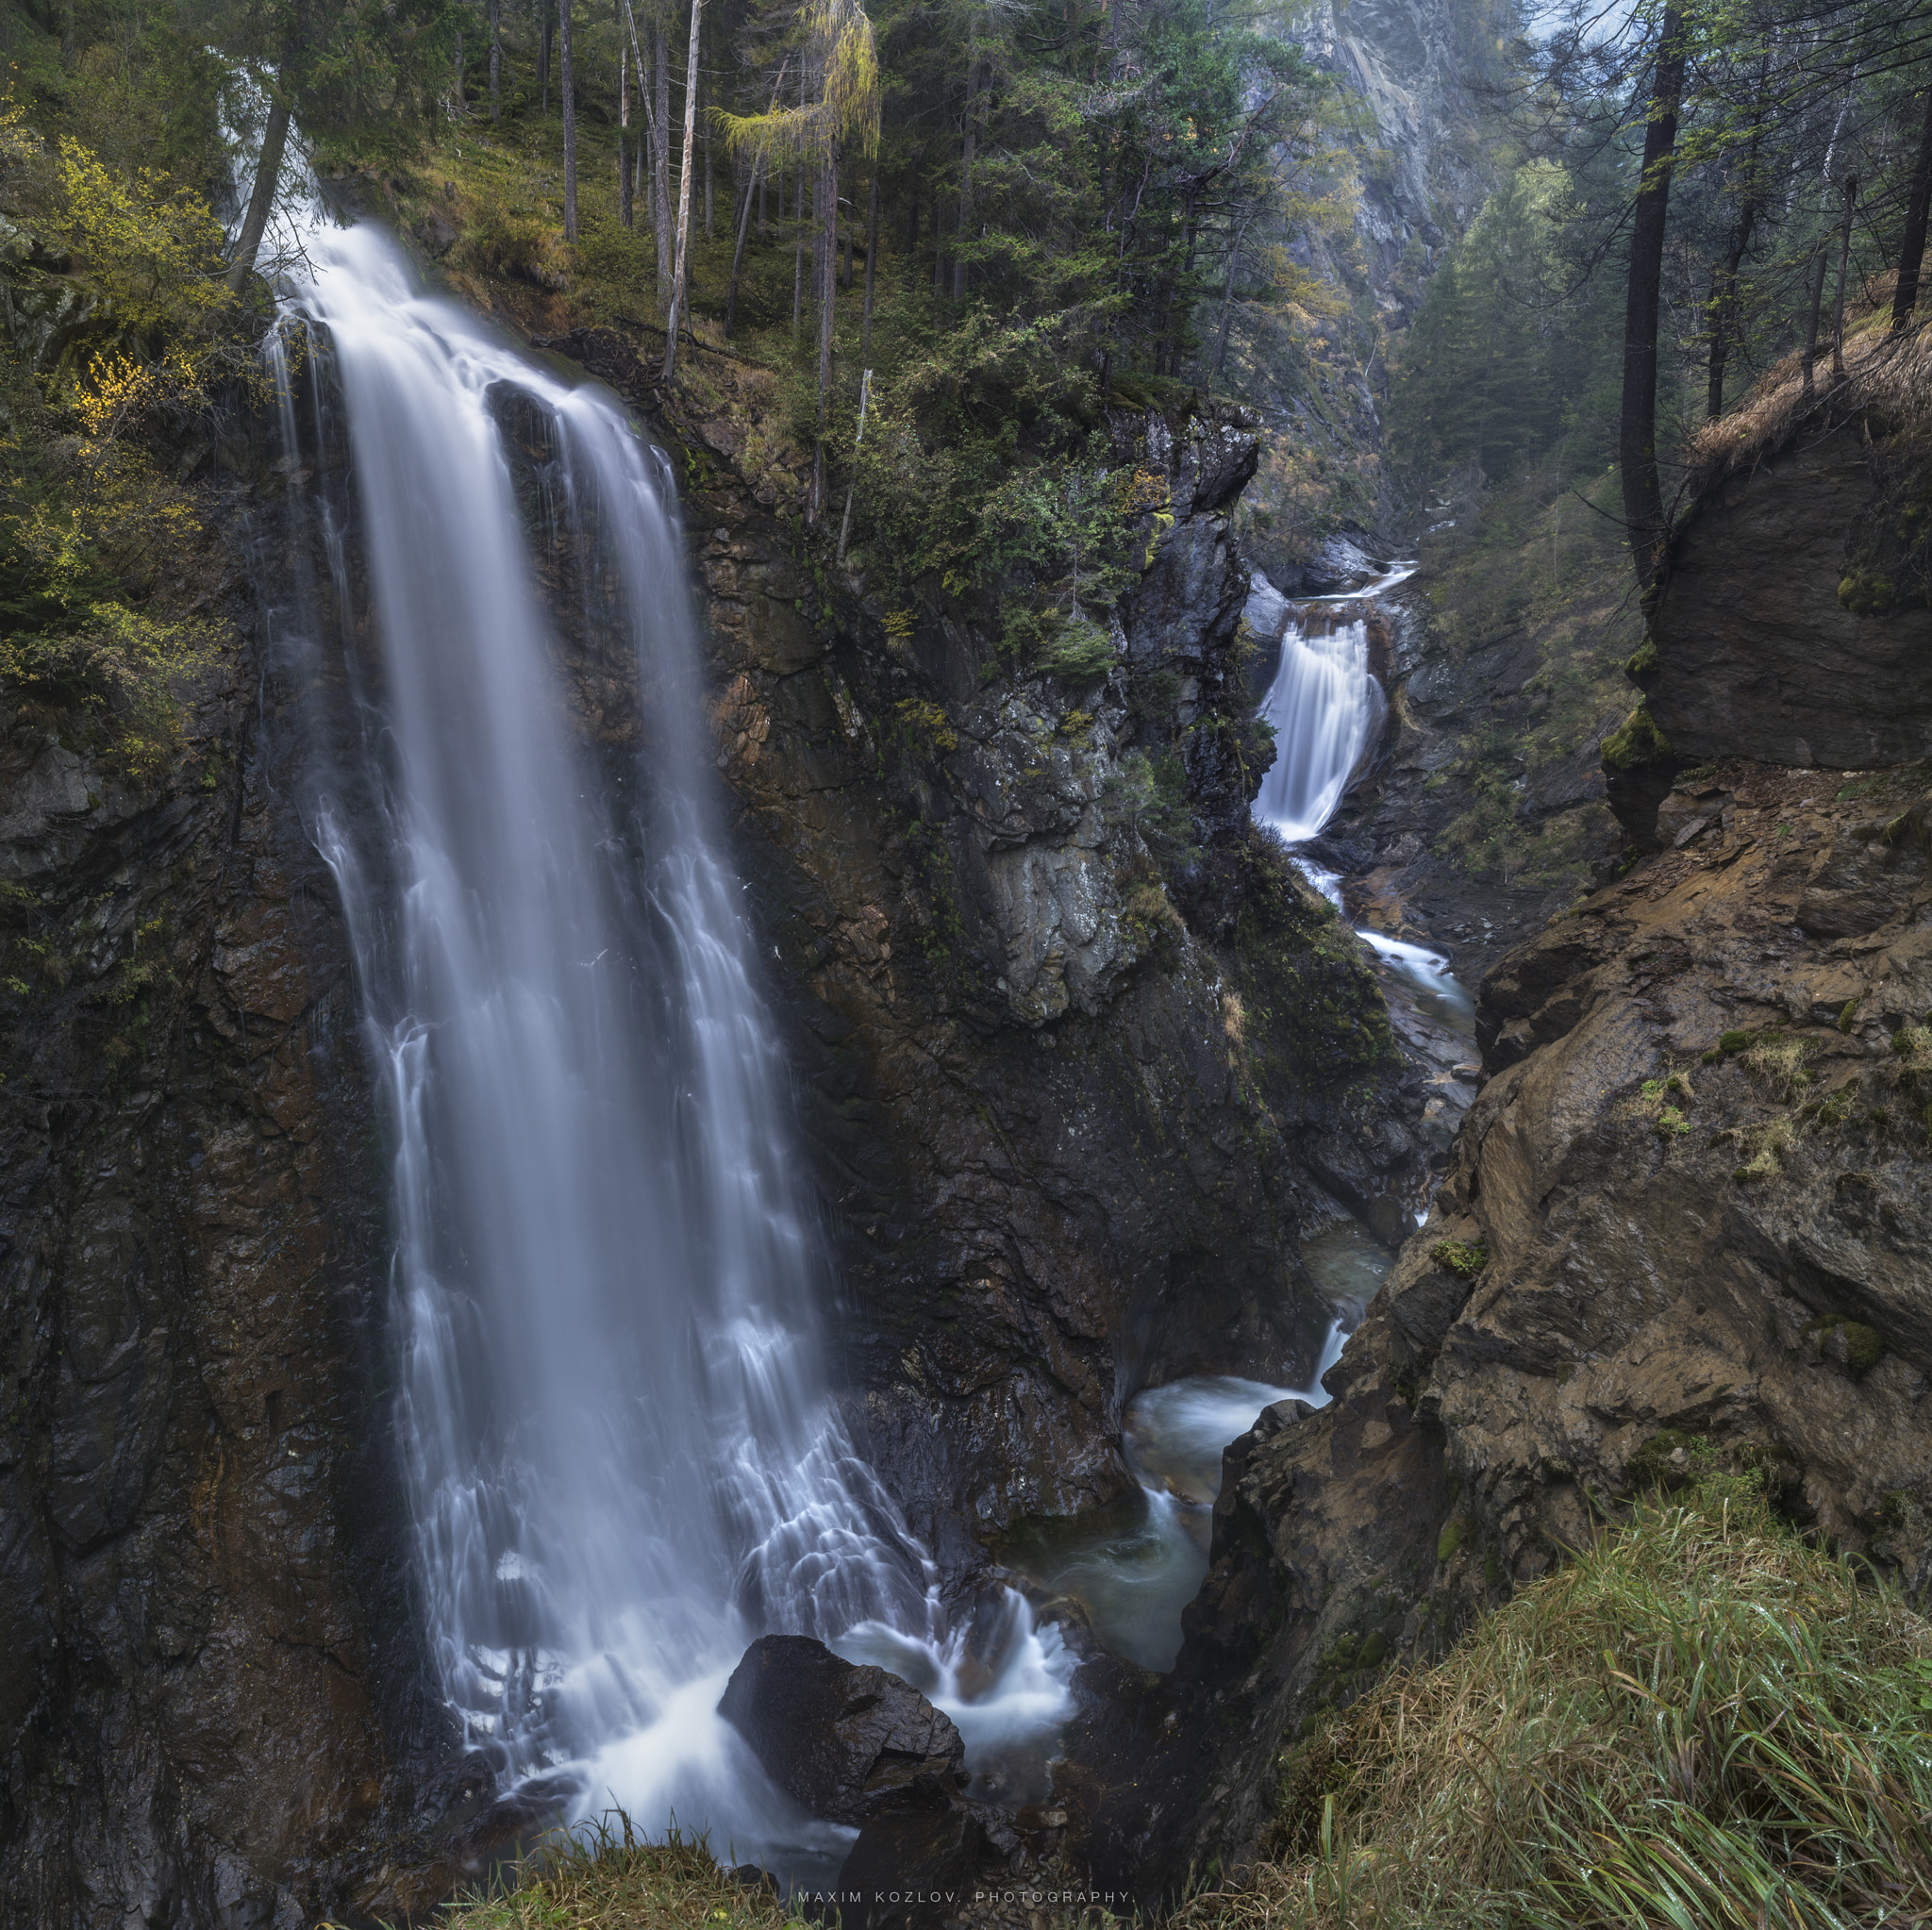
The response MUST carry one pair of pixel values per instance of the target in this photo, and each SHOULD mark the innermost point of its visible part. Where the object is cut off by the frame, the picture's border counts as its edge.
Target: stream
(1128, 1570)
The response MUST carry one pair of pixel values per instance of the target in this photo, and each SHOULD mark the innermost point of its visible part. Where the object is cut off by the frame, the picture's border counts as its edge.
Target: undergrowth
(1700, 1720)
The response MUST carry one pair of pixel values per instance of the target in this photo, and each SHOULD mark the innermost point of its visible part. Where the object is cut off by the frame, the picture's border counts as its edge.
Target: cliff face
(1069, 1103)
(1763, 645)
(1072, 1102)
(203, 1599)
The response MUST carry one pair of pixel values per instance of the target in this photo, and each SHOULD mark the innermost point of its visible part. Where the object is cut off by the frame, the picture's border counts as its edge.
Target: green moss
(1668, 1459)
(1637, 740)
(1847, 1015)
(1449, 1540)
(1375, 1646)
(1493, 1571)
(1642, 661)
(1461, 1257)
(1864, 1346)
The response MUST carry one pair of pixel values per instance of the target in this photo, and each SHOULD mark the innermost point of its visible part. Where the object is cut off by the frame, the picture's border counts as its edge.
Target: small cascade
(621, 1456)
(1326, 710)
(1134, 1564)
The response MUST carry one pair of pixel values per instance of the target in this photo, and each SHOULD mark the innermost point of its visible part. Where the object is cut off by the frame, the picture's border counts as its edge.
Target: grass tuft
(1700, 1720)
(601, 1876)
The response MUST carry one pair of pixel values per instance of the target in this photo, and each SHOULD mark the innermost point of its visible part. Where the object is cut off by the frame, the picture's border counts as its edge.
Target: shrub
(1461, 1257)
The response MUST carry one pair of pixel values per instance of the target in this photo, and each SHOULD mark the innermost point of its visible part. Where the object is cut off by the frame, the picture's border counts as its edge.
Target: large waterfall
(620, 1453)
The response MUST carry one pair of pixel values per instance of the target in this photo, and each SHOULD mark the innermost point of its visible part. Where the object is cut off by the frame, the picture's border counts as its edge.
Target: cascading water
(1324, 707)
(622, 1459)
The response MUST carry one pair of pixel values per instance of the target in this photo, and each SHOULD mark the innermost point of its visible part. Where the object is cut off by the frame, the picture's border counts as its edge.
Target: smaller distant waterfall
(1325, 706)
(1326, 709)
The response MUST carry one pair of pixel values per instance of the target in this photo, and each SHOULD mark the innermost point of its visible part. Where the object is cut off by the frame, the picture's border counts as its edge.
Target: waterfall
(622, 1459)
(1326, 709)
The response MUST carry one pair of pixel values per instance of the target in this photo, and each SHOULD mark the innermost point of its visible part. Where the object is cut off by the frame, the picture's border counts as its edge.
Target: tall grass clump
(600, 1876)
(1699, 1723)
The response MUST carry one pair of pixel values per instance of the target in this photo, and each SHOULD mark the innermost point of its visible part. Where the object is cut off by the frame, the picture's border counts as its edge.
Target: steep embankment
(1688, 1202)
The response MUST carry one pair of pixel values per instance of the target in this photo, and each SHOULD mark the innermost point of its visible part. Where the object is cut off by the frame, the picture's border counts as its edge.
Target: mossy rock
(1449, 1540)
(1637, 740)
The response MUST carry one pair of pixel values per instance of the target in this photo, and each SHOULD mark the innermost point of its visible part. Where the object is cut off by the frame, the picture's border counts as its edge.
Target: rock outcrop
(1072, 1100)
(1688, 1213)
(1786, 631)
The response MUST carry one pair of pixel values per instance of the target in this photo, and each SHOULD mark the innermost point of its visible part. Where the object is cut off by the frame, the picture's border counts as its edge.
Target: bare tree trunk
(691, 108)
(567, 84)
(754, 189)
(1819, 259)
(707, 180)
(966, 164)
(625, 214)
(495, 58)
(797, 250)
(267, 170)
(872, 257)
(1911, 252)
(755, 186)
(1643, 503)
(1844, 264)
(1724, 309)
(660, 163)
(1234, 255)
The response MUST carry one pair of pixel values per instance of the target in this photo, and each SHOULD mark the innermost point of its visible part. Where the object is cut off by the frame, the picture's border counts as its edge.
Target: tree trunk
(1234, 255)
(660, 163)
(267, 170)
(966, 166)
(829, 311)
(457, 77)
(1911, 253)
(1845, 265)
(1643, 503)
(707, 180)
(797, 250)
(753, 190)
(1819, 259)
(872, 256)
(1724, 309)
(567, 84)
(691, 108)
(495, 58)
(625, 212)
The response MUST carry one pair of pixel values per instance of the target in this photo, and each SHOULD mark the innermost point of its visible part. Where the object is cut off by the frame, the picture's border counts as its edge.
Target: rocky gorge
(1055, 1081)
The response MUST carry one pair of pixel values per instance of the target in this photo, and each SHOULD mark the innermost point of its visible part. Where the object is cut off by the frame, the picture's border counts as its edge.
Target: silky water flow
(620, 1453)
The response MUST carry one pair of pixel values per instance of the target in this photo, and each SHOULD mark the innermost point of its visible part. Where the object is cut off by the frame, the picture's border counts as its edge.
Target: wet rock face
(207, 1695)
(1757, 655)
(843, 1739)
(1692, 1202)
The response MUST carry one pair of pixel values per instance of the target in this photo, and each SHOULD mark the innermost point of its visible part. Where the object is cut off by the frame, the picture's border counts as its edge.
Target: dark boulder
(841, 1738)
